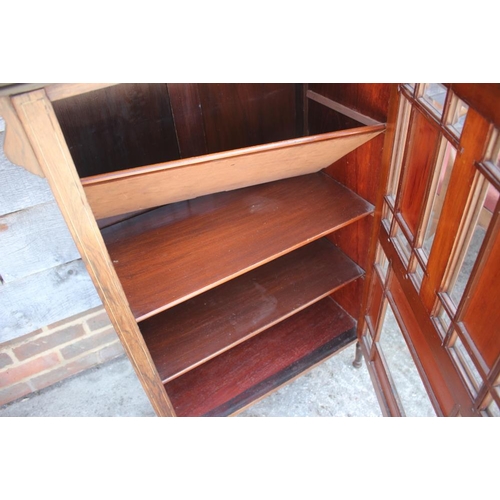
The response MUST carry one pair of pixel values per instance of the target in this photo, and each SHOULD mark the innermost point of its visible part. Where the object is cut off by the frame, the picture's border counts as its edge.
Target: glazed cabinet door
(430, 324)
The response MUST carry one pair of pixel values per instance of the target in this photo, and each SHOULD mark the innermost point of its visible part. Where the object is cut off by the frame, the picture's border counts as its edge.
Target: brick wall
(55, 352)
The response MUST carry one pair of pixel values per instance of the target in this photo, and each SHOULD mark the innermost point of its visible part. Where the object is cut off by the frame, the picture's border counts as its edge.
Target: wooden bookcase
(238, 235)
(226, 227)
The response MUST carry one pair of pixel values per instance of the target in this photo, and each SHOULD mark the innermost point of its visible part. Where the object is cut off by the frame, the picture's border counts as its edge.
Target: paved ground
(335, 388)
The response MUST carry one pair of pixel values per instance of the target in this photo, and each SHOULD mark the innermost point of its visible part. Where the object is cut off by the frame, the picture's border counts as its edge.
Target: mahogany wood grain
(473, 144)
(45, 135)
(242, 115)
(118, 127)
(420, 156)
(359, 170)
(155, 185)
(375, 302)
(171, 254)
(188, 118)
(258, 366)
(340, 108)
(481, 316)
(301, 110)
(369, 99)
(17, 147)
(378, 201)
(483, 97)
(197, 330)
(322, 119)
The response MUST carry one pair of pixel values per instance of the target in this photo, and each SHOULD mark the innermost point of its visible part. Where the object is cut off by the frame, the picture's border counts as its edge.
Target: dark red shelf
(229, 382)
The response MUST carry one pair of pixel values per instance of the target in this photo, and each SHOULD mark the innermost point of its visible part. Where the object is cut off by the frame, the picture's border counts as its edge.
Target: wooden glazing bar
(446, 385)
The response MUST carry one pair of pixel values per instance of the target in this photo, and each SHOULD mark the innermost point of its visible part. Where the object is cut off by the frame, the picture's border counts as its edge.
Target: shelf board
(195, 331)
(229, 382)
(173, 253)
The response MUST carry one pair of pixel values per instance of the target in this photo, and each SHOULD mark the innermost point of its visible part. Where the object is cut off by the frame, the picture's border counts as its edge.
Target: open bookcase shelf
(249, 371)
(191, 333)
(225, 226)
(168, 255)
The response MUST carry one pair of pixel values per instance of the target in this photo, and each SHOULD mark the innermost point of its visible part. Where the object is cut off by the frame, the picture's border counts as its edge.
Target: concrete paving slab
(333, 389)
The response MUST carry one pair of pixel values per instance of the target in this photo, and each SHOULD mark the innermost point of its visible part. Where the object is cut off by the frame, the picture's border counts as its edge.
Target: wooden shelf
(229, 382)
(173, 253)
(195, 331)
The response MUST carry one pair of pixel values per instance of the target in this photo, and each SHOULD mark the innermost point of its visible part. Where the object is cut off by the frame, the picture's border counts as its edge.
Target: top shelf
(170, 254)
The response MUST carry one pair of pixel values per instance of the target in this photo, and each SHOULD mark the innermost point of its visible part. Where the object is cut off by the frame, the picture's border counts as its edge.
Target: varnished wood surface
(193, 332)
(45, 135)
(484, 329)
(242, 115)
(256, 367)
(456, 203)
(171, 254)
(340, 108)
(442, 376)
(118, 127)
(188, 118)
(359, 170)
(155, 185)
(484, 97)
(419, 159)
(369, 99)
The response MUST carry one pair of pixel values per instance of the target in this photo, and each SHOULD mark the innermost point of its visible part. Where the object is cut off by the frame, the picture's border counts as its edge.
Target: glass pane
(404, 373)
(418, 275)
(492, 410)
(493, 154)
(465, 364)
(486, 200)
(444, 321)
(387, 217)
(445, 162)
(410, 87)
(457, 114)
(399, 146)
(402, 245)
(383, 263)
(368, 338)
(434, 95)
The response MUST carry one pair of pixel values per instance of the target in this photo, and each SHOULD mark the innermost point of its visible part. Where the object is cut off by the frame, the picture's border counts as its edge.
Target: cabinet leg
(358, 357)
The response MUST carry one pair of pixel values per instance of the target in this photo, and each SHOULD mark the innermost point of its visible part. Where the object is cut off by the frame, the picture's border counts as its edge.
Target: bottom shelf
(226, 384)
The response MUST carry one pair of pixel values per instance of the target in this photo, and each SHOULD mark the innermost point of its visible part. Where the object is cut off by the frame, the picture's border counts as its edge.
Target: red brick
(111, 351)
(88, 343)
(63, 372)
(47, 342)
(28, 369)
(13, 392)
(4, 360)
(99, 321)
(17, 340)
